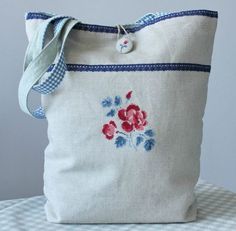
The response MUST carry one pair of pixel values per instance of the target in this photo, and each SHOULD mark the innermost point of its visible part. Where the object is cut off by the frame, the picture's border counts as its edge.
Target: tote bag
(124, 106)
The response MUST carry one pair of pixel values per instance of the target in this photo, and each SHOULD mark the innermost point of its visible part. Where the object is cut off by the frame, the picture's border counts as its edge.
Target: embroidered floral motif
(109, 129)
(133, 118)
(123, 44)
(133, 123)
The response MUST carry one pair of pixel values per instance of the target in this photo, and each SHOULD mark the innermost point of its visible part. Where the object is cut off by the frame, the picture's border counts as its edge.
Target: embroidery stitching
(132, 123)
(136, 67)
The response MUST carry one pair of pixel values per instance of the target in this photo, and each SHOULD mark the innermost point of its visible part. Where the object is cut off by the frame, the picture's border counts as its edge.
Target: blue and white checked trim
(217, 212)
(51, 83)
(131, 28)
(150, 17)
(39, 113)
(57, 73)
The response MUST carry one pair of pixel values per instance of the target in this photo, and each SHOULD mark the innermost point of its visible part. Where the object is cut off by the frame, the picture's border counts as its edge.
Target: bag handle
(39, 59)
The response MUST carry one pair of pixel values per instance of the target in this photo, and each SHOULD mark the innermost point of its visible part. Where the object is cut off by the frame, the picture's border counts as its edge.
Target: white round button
(124, 45)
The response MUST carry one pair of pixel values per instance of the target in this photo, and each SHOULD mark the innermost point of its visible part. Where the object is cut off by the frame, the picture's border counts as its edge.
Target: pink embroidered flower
(126, 41)
(133, 118)
(109, 129)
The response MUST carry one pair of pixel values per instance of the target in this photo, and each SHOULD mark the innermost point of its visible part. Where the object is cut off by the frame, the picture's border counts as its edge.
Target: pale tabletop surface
(217, 212)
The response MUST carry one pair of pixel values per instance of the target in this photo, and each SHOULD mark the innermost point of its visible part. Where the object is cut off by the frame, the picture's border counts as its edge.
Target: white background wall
(22, 139)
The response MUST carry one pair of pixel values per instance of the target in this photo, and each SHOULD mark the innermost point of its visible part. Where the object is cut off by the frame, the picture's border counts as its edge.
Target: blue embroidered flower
(120, 141)
(107, 102)
(148, 145)
(111, 113)
(149, 133)
(118, 101)
(139, 140)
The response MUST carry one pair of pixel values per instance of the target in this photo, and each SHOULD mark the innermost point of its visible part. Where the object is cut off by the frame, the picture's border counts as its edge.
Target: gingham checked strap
(39, 57)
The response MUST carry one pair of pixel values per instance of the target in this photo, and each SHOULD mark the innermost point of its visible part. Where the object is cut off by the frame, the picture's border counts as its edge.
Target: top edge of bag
(132, 28)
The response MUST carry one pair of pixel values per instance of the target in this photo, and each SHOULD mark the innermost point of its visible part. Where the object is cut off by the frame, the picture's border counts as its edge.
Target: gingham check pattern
(50, 83)
(217, 212)
(149, 17)
(39, 113)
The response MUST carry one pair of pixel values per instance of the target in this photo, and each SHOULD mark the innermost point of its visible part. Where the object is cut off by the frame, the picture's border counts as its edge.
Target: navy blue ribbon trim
(137, 67)
(131, 29)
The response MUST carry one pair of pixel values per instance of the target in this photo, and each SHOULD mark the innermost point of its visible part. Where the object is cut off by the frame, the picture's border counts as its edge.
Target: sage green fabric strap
(38, 58)
(36, 43)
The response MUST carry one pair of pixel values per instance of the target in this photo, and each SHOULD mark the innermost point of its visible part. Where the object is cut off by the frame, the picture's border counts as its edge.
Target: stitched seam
(110, 29)
(137, 67)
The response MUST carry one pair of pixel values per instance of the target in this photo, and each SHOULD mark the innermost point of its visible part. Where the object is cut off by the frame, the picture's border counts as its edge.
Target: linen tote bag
(124, 106)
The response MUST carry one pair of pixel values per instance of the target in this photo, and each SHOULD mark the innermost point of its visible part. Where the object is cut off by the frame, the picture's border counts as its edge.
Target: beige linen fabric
(88, 179)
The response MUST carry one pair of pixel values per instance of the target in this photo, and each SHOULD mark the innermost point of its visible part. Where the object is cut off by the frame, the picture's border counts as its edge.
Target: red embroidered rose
(109, 129)
(133, 118)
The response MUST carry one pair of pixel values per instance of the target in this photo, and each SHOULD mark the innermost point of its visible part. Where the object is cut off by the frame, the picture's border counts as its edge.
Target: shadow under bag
(124, 106)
